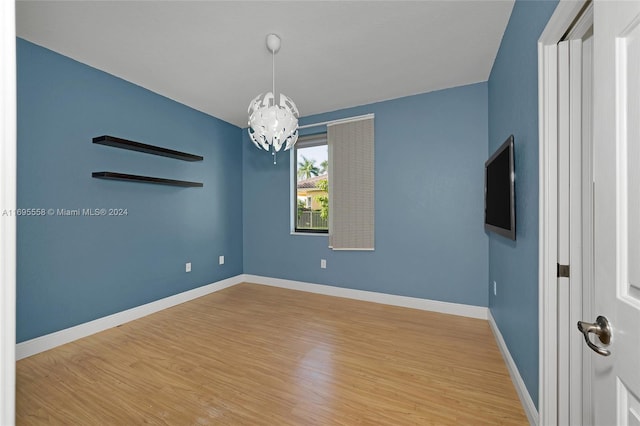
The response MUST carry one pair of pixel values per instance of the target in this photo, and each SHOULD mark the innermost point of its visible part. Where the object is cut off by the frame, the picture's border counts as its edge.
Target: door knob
(601, 329)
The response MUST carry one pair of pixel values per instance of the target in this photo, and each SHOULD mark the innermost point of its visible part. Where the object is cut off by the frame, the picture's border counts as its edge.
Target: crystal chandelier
(272, 123)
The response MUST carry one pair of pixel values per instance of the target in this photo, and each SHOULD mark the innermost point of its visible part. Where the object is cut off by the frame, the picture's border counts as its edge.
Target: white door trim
(587, 223)
(548, 242)
(7, 202)
(559, 23)
(561, 285)
(574, 233)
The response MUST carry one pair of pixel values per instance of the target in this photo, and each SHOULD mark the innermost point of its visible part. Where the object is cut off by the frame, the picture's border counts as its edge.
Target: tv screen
(499, 192)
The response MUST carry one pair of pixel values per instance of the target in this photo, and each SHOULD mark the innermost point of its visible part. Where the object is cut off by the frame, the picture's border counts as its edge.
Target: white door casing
(581, 376)
(565, 204)
(564, 172)
(575, 226)
(8, 202)
(616, 378)
(574, 219)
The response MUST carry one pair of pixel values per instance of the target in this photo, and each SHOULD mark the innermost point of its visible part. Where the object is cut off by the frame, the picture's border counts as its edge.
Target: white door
(616, 378)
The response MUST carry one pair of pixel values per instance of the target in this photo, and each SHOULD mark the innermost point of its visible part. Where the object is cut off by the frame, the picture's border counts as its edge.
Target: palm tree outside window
(311, 201)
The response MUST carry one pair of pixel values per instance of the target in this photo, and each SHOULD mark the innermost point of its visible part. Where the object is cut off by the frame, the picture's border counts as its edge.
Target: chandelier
(273, 123)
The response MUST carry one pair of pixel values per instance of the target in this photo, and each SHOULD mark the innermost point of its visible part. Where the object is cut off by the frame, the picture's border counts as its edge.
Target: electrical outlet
(221, 260)
(495, 288)
(187, 267)
(323, 263)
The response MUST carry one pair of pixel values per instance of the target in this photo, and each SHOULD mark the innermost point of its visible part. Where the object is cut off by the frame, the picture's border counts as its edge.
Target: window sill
(310, 234)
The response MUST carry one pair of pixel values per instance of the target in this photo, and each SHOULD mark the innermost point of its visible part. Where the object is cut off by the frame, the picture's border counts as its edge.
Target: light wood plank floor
(258, 355)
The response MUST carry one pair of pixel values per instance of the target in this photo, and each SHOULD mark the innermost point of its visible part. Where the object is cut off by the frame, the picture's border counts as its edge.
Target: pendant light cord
(273, 87)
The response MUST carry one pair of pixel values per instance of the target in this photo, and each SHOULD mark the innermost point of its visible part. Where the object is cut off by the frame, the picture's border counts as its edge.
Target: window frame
(307, 141)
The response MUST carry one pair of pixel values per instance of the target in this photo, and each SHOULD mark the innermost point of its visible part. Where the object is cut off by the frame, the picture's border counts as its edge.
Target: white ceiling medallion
(273, 124)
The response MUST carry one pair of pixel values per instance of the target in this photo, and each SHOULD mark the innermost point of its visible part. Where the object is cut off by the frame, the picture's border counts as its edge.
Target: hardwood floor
(258, 355)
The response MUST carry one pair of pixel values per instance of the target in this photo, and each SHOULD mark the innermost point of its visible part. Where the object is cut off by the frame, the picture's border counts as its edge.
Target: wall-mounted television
(499, 191)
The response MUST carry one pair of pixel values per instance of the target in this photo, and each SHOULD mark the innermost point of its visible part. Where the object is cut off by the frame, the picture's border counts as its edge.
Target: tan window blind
(351, 185)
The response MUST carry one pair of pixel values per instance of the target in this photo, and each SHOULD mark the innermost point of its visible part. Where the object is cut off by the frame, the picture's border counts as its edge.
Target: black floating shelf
(143, 147)
(145, 179)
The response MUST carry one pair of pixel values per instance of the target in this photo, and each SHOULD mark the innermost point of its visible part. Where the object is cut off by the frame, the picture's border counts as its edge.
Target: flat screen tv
(499, 192)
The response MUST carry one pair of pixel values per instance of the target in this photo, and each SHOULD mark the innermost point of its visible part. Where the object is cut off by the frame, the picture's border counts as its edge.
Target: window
(311, 198)
(338, 164)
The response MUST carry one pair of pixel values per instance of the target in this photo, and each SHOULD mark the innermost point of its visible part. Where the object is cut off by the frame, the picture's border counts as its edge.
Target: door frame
(559, 24)
(8, 178)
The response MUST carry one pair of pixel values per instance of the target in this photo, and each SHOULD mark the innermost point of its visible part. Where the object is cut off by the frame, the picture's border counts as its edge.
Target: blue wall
(513, 109)
(76, 269)
(430, 243)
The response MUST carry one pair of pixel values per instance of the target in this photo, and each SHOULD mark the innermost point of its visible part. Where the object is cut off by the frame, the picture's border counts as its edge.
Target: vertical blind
(351, 185)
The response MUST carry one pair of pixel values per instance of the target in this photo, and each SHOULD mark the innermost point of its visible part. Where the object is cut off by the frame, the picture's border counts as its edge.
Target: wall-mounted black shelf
(143, 147)
(145, 179)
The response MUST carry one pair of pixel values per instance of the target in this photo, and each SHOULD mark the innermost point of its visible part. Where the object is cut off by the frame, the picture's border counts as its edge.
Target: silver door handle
(601, 329)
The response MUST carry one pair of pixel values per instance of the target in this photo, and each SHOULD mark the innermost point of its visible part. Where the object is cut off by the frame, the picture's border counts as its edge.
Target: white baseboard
(471, 311)
(50, 341)
(523, 393)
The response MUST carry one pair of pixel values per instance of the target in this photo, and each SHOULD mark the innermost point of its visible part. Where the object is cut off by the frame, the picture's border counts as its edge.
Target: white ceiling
(211, 55)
